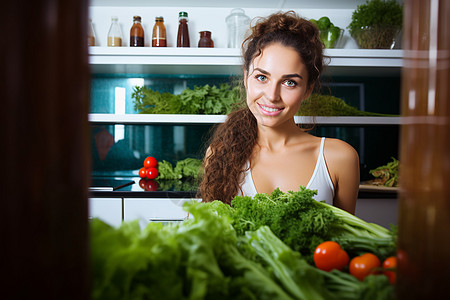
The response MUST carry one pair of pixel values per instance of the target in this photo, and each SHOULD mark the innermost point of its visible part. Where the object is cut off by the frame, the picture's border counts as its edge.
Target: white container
(238, 23)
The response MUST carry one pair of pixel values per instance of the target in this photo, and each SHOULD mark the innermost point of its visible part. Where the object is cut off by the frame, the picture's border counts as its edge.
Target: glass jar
(237, 25)
(159, 33)
(137, 33)
(205, 40)
(91, 34)
(183, 32)
(114, 33)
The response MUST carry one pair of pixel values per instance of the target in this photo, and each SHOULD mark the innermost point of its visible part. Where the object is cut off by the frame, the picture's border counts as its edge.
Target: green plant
(376, 23)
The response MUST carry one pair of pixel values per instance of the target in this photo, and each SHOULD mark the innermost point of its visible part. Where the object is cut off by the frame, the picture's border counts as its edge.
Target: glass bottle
(114, 34)
(137, 33)
(91, 34)
(205, 40)
(159, 33)
(237, 24)
(183, 32)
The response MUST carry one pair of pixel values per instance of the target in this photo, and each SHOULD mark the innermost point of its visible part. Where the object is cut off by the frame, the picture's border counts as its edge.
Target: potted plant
(376, 24)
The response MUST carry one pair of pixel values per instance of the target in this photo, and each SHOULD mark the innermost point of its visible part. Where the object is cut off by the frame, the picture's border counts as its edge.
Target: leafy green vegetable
(185, 168)
(203, 258)
(195, 259)
(386, 175)
(323, 105)
(303, 223)
(376, 12)
(189, 167)
(304, 281)
(375, 24)
(299, 278)
(148, 101)
(207, 99)
(166, 171)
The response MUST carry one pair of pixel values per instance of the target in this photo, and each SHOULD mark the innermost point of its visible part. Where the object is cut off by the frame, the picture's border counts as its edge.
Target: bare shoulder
(336, 150)
(341, 158)
(343, 165)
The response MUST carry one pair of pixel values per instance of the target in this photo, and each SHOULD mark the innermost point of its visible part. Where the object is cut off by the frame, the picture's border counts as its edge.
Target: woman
(260, 148)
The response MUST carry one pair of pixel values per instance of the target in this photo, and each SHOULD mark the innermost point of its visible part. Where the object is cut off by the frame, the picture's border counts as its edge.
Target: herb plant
(210, 100)
(375, 23)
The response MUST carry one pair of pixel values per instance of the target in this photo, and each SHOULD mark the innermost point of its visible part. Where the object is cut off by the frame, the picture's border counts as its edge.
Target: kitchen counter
(133, 187)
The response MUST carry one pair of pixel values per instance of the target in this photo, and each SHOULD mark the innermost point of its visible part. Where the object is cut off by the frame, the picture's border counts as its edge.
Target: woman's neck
(276, 138)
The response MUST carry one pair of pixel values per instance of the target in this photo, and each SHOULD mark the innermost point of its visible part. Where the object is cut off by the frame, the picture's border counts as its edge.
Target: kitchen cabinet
(155, 210)
(144, 65)
(109, 210)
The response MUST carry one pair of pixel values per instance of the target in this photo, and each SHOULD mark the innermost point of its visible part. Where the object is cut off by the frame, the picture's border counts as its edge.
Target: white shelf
(213, 119)
(227, 61)
(280, 4)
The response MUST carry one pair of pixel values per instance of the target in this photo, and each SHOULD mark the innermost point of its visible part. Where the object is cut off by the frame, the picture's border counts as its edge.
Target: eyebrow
(283, 76)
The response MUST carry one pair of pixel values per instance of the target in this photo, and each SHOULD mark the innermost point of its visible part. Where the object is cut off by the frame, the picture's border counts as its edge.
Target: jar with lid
(159, 33)
(137, 33)
(205, 40)
(237, 25)
(91, 34)
(183, 32)
(114, 33)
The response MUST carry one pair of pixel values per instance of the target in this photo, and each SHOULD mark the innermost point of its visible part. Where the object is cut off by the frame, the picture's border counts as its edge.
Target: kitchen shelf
(213, 119)
(227, 61)
(281, 4)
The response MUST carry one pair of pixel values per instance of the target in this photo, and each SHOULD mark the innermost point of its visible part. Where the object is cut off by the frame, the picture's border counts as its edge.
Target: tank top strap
(322, 145)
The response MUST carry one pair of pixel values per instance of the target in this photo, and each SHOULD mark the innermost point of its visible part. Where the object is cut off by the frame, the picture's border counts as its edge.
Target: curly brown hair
(234, 141)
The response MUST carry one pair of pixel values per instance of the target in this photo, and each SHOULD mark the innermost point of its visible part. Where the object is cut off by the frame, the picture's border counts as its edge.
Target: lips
(270, 110)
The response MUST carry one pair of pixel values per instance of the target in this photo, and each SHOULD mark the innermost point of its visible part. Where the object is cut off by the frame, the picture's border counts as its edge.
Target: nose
(272, 91)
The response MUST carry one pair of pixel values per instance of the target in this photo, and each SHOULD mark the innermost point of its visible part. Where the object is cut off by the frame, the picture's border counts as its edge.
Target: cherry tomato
(151, 185)
(143, 172)
(152, 173)
(150, 162)
(329, 255)
(364, 265)
(390, 264)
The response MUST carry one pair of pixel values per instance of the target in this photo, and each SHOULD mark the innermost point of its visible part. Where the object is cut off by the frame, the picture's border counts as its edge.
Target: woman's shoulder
(336, 150)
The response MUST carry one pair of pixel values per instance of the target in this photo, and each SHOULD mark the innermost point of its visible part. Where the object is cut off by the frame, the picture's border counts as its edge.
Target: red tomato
(329, 255)
(151, 185)
(150, 162)
(364, 265)
(152, 173)
(143, 172)
(390, 264)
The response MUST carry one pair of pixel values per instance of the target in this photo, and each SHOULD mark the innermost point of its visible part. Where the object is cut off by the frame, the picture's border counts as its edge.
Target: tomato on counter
(143, 172)
(152, 173)
(150, 162)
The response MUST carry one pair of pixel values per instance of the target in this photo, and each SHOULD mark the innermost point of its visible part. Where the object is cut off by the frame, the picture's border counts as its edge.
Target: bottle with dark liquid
(137, 33)
(159, 33)
(205, 40)
(183, 32)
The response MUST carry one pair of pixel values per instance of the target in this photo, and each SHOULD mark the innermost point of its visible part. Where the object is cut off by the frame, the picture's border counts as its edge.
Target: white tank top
(320, 180)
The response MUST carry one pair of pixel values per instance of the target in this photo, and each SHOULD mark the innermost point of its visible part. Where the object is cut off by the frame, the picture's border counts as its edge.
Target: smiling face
(277, 83)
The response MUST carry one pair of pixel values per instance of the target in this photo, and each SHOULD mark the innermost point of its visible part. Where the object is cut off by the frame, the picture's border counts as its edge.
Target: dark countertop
(135, 187)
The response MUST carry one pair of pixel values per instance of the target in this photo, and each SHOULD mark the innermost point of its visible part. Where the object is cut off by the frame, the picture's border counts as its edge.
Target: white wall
(200, 18)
